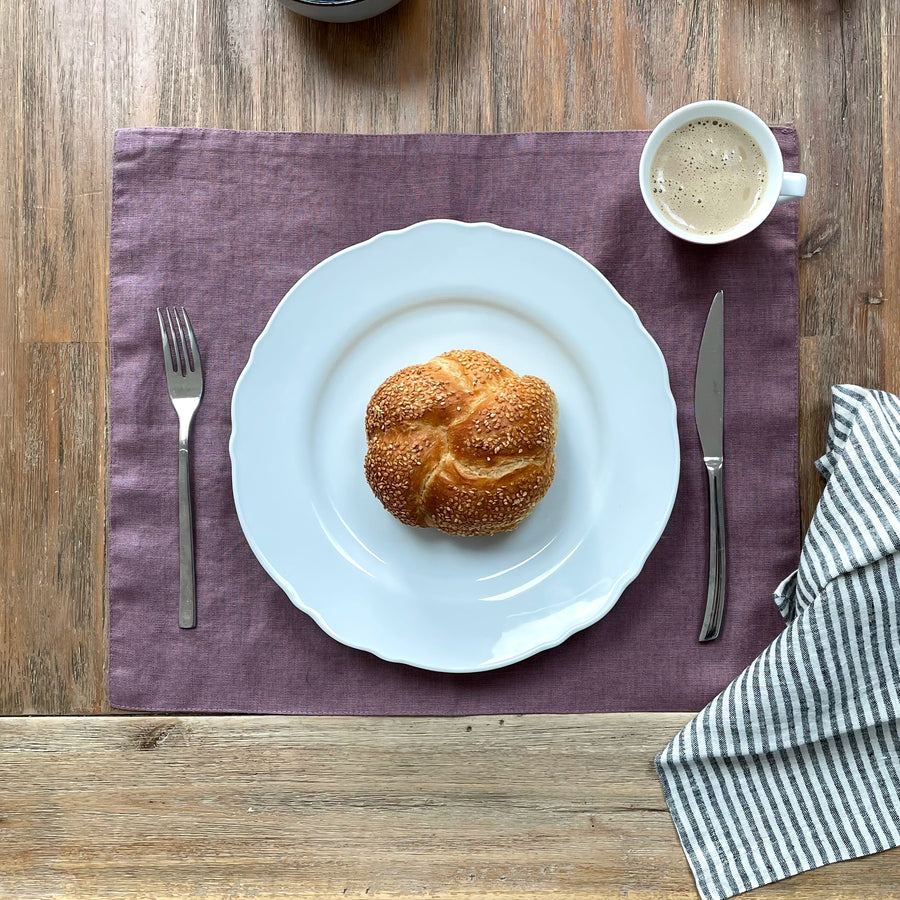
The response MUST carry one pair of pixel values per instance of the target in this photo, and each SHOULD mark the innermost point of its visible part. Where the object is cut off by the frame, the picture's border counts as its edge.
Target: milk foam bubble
(708, 176)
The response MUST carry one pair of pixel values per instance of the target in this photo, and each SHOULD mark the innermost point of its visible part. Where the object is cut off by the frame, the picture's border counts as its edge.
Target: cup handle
(793, 185)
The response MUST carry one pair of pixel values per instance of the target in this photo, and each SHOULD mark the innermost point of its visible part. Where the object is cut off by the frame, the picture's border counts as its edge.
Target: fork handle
(715, 594)
(187, 600)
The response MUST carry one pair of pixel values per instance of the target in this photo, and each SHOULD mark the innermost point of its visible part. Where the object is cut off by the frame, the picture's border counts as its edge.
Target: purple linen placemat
(225, 222)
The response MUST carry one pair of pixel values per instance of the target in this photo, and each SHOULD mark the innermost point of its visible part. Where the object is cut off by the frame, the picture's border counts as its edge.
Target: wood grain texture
(53, 359)
(890, 91)
(544, 806)
(255, 806)
(75, 71)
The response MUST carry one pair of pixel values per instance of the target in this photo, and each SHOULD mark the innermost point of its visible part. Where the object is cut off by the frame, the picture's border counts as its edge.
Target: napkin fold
(797, 763)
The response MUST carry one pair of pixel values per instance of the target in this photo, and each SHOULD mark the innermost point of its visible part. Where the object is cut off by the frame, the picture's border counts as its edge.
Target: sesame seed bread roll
(461, 443)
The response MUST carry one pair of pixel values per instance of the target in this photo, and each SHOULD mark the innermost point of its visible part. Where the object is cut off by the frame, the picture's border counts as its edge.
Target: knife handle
(715, 595)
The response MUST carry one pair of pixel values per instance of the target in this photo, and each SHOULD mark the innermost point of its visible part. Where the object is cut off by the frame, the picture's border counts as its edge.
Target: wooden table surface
(112, 805)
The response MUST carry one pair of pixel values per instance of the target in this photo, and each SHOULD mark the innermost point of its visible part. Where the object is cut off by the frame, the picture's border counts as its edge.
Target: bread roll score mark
(461, 443)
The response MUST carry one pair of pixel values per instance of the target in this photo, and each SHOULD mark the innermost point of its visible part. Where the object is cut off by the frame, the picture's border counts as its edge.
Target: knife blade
(709, 387)
(709, 412)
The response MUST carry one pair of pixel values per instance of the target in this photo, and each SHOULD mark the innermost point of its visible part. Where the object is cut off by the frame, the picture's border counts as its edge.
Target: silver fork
(184, 378)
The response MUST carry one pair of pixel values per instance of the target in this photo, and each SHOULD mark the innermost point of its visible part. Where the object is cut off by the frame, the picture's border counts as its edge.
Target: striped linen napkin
(797, 763)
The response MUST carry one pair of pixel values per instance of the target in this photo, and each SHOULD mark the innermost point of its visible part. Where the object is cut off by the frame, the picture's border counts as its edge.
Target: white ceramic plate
(414, 595)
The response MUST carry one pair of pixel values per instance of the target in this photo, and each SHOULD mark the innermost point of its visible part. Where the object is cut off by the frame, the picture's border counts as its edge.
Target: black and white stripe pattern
(797, 763)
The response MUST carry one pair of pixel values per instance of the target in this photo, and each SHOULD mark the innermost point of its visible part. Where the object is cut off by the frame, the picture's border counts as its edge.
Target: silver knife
(709, 406)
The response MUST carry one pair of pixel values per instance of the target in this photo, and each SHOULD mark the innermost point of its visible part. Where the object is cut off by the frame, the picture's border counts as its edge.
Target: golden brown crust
(461, 503)
(516, 420)
(461, 443)
(414, 395)
(398, 466)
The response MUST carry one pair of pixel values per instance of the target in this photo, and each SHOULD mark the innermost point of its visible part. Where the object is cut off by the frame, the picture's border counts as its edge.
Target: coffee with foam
(708, 176)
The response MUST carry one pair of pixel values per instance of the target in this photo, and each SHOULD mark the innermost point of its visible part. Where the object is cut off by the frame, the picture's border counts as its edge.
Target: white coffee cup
(781, 186)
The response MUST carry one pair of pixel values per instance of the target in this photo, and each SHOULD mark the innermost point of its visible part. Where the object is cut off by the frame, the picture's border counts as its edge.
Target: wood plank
(53, 358)
(256, 806)
(890, 100)
(60, 160)
(51, 619)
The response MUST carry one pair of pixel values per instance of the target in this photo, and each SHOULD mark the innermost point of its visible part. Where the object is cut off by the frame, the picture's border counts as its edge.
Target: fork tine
(179, 349)
(195, 352)
(182, 345)
(167, 347)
